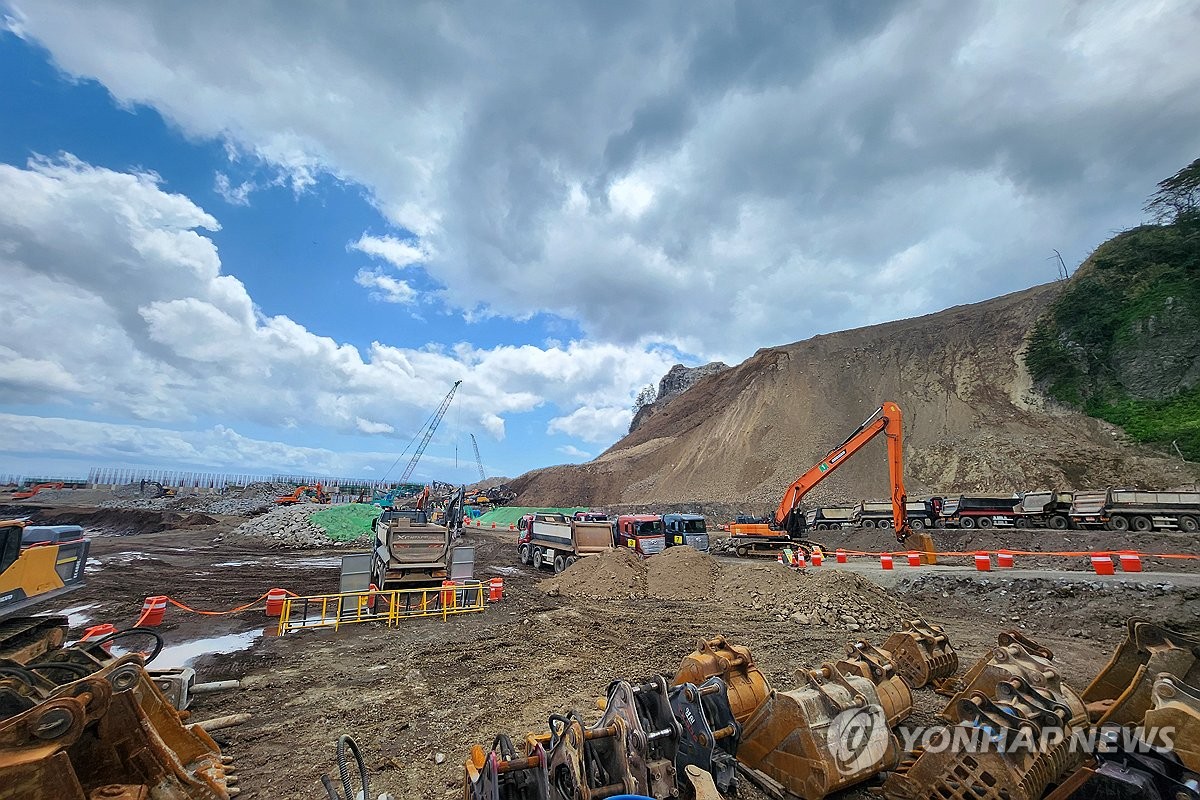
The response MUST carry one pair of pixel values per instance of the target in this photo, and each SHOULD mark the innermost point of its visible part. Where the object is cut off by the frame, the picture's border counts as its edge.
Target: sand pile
(824, 597)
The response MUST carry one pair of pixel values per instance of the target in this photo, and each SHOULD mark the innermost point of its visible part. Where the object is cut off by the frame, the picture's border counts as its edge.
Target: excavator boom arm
(885, 420)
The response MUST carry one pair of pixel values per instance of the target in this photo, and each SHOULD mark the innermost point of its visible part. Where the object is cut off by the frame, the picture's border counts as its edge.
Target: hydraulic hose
(346, 743)
(92, 644)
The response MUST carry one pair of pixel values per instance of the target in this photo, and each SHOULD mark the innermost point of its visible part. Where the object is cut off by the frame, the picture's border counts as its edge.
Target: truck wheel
(1118, 523)
(884, 524)
(1188, 524)
(1058, 523)
(571, 560)
(984, 522)
(917, 524)
(523, 554)
(1141, 524)
(538, 559)
(868, 523)
(1021, 522)
(560, 564)
(967, 522)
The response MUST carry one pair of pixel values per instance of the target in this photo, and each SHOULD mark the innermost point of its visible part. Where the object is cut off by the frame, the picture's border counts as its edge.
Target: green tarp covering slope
(508, 515)
(345, 523)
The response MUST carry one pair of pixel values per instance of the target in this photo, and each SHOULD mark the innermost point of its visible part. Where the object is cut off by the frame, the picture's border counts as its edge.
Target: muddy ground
(418, 696)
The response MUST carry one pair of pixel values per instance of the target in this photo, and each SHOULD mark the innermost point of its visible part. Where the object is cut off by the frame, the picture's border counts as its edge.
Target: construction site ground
(416, 697)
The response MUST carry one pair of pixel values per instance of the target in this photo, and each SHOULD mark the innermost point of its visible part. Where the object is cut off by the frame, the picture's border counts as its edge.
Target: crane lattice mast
(433, 423)
(478, 460)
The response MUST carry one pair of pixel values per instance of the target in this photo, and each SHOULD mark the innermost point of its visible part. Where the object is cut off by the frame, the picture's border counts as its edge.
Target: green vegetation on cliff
(1122, 341)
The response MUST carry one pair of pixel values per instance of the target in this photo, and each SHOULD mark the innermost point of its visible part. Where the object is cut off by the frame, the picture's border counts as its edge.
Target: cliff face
(972, 421)
(677, 380)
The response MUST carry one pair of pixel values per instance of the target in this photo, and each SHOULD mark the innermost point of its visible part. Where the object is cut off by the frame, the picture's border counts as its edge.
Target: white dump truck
(555, 540)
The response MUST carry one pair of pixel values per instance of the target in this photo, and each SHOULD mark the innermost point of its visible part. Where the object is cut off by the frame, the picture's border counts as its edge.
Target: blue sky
(270, 239)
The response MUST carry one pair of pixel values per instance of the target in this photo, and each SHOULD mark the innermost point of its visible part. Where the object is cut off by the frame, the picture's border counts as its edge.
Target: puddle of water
(75, 616)
(234, 563)
(312, 562)
(127, 555)
(93, 565)
(184, 653)
(505, 570)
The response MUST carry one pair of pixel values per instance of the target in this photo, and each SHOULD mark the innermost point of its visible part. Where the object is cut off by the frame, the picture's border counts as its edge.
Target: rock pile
(825, 597)
(287, 526)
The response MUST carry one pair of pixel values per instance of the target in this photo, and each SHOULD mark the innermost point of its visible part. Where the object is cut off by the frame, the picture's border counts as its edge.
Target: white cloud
(146, 326)
(738, 179)
(574, 453)
(385, 288)
(592, 424)
(399, 254)
(234, 195)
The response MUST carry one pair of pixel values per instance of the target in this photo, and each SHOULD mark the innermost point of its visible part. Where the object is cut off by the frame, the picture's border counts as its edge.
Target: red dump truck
(555, 540)
(642, 533)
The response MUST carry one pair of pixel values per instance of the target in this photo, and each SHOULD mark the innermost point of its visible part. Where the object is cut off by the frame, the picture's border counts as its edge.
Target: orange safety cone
(841, 556)
(1102, 564)
(885, 560)
(512, 527)
(495, 590)
(1004, 559)
(275, 599)
(493, 526)
(153, 610)
(914, 558)
(983, 562)
(1130, 562)
(817, 557)
(800, 562)
(779, 557)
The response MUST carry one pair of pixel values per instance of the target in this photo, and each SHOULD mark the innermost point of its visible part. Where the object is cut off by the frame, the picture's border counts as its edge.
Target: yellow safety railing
(391, 606)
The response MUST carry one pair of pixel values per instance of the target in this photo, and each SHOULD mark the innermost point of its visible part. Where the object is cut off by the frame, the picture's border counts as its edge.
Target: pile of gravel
(287, 526)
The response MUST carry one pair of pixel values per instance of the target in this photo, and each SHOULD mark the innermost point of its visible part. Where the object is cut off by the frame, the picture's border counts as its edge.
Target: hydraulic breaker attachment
(109, 734)
(1011, 660)
(1176, 708)
(1011, 746)
(501, 775)
(822, 737)
(922, 653)
(652, 734)
(747, 686)
(1121, 693)
(867, 661)
(711, 735)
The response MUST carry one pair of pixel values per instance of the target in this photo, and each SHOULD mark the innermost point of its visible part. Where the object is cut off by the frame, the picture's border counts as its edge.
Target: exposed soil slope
(972, 421)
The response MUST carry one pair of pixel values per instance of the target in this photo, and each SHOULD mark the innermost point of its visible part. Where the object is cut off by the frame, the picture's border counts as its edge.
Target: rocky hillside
(972, 418)
(677, 380)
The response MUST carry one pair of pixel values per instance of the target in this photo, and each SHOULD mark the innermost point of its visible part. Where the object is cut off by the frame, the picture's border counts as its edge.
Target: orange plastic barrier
(495, 590)
(914, 558)
(983, 562)
(885, 560)
(1004, 559)
(153, 610)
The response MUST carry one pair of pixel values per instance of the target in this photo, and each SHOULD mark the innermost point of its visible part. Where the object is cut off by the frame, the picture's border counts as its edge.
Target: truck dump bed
(1127, 498)
(592, 537)
(404, 544)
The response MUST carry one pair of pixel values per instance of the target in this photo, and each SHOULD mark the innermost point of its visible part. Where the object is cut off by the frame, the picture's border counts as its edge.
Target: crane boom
(886, 420)
(478, 460)
(433, 423)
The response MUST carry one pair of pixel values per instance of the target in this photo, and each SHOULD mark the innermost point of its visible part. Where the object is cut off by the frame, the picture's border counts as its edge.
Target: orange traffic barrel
(841, 556)
(1004, 559)
(885, 560)
(1130, 562)
(448, 592)
(96, 631)
(1102, 564)
(275, 599)
(914, 558)
(495, 590)
(816, 558)
(153, 610)
(983, 562)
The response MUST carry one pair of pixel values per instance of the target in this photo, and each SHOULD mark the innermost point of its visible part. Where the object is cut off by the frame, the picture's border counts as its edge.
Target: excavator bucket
(111, 734)
(747, 686)
(921, 653)
(1176, 708)
(1121, 694)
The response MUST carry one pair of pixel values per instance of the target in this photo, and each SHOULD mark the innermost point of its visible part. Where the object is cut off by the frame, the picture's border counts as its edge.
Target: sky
(270, 237)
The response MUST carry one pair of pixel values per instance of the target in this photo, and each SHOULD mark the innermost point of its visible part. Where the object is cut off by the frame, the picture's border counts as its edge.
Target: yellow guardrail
(335, 610)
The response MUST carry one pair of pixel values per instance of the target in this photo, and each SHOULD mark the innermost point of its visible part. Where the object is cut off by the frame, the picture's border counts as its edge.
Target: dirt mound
(972, 419)
(612, 575)
(823, 597)
(122, 522)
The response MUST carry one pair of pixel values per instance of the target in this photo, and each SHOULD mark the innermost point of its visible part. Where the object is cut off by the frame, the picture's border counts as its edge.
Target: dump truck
(977, 511)
(557, 541)
(37, 563)
(1129, 509)
(642, 533)
(689, 529)
(879, 514)
(831, 518)
(1087, 510)
(413, 553)
(1044, 509)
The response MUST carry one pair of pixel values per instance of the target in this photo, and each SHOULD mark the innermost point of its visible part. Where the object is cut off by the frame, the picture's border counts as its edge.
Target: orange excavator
(318, 493)
(789, 525)
(25, 494)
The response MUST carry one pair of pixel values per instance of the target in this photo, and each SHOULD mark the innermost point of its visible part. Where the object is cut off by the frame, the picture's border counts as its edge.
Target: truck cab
(642, 533)
(686, 529)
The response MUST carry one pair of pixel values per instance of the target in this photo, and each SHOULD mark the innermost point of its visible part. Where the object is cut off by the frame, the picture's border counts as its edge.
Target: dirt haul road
(418, 696)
